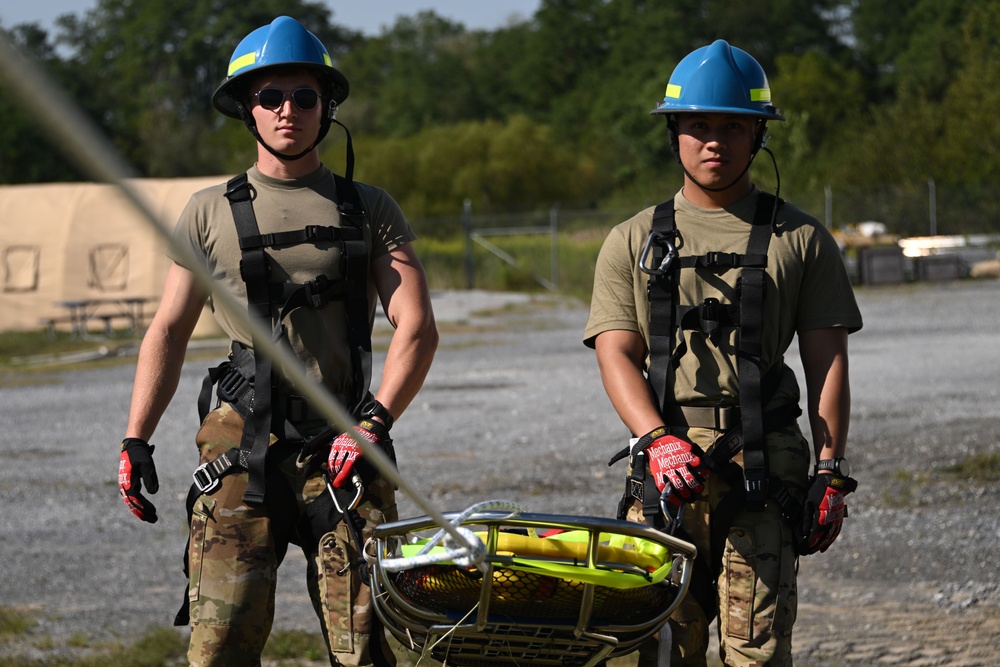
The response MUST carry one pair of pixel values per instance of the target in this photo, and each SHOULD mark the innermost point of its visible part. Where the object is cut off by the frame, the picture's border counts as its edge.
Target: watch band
(375, 409)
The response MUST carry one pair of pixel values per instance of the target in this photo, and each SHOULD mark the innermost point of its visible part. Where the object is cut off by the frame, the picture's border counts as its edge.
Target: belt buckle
(203, 479)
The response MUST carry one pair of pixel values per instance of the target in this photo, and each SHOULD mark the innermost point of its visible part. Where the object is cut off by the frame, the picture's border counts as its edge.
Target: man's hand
(678, 467)
(825, 510)
(345, 452)
(135, 466)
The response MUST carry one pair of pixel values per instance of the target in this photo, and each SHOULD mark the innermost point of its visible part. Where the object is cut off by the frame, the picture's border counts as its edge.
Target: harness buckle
(232, 386)
(718, 258)
(204, 481)
(757, 488)
(321, 233)
(663, 239)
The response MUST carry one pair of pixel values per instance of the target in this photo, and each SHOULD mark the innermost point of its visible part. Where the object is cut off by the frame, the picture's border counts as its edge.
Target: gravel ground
(513, 408)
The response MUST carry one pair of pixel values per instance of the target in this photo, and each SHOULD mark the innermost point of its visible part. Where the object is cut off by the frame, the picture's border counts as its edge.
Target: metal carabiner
(359, 491)
(673, 521)
(662, 239)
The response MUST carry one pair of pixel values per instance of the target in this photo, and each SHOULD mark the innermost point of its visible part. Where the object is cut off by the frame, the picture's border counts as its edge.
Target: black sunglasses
(272, 98)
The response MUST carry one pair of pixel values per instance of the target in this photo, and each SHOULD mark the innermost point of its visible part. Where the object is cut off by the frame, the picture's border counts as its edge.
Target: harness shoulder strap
(255, 271)
(753, 284)
(662, 293)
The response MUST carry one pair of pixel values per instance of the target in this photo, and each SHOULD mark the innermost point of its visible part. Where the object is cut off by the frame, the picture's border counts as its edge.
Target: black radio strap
(354, 270)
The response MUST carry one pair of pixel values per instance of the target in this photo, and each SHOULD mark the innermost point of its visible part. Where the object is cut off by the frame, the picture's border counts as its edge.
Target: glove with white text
(135, 467)
(345, 452)
(678, 467)
(825, 509)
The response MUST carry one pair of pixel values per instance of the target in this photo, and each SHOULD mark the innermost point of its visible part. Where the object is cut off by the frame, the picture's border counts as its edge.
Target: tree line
(879, 98)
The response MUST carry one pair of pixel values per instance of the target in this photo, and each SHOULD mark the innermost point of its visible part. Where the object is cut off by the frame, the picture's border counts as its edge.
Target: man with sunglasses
(695, 304)
(309, 252)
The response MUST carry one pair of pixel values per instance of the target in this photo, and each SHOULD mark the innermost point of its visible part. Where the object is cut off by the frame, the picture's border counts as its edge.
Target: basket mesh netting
(447, 590)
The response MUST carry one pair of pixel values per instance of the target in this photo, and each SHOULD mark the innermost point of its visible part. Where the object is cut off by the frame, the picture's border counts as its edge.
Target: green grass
(13, 623)
(984, 467)
(444, 260)
(902, 488)
(285, 645)
(20, 347)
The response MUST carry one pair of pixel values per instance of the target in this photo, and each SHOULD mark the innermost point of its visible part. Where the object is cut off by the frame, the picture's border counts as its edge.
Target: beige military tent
(66, 246)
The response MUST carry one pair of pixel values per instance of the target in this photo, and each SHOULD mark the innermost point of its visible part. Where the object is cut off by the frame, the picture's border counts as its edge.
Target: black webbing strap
(254, 269)
(311, 234)
(752, 293)
(662, 292)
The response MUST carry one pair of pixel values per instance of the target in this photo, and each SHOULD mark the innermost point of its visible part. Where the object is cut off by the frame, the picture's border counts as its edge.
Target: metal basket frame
(475, 636)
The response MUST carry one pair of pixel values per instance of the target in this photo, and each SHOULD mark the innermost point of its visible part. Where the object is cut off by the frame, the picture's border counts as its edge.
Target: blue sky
(368, 16)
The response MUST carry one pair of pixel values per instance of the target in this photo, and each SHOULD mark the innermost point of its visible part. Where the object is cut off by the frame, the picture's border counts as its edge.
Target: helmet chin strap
(724, 187)
(675, 147)
(324, 127)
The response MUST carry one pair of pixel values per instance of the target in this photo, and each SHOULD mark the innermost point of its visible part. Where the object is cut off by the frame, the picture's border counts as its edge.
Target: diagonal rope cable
(76, 135)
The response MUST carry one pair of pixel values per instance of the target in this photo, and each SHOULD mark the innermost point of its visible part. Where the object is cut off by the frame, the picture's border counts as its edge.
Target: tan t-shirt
(318, 336)
(807, 288)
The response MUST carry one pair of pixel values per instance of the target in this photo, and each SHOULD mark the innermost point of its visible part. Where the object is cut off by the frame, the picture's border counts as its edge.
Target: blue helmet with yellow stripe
(282, 43)
(719, 78)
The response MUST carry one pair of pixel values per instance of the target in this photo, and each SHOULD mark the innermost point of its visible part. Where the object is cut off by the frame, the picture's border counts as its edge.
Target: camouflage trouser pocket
(758, 595)
(203, 508)
(336, 585)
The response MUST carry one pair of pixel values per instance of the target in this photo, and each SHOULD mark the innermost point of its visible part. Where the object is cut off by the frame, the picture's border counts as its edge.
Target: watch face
(838, 466)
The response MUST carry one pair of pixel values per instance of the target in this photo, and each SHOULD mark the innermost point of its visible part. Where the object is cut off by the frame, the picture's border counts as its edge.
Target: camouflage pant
(235, 551)
(756, 588)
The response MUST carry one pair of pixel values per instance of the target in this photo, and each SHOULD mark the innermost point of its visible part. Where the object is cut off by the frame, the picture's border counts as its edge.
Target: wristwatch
(837, 466)
(375, 409)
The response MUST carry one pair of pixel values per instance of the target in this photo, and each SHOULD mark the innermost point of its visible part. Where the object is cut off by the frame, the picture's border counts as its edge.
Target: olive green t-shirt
(319, 337)
(807, 287)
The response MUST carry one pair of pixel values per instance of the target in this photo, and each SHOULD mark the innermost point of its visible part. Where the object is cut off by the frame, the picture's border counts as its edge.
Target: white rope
(464, 555)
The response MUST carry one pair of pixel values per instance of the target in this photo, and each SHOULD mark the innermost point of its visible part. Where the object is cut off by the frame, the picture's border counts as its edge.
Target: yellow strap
(654, 558)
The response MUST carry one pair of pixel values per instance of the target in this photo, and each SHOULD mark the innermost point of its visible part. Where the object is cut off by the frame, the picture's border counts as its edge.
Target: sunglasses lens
(305, 98)
(270, 98)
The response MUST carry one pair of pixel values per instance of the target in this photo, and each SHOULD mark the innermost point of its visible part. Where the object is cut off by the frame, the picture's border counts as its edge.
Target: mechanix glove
(678, 467)
(824, 513)
(345, 452)
(135, 466)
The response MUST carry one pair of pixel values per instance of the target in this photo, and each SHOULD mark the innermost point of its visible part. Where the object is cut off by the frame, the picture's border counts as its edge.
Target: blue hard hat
(719, 78)
(282, 43)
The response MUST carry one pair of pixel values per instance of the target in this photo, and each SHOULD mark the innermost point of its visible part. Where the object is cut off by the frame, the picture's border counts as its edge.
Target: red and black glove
(135, 467)
(678, 467)
(825, 510)
(345, 452)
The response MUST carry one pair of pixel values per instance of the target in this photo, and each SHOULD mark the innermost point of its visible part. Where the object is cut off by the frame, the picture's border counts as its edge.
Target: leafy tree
(28, 156)
(492, 163)
(913, 46)
(152, 67)
(412, 76)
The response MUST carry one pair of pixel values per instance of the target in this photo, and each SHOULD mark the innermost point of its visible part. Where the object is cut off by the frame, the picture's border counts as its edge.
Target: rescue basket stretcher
(549, 590)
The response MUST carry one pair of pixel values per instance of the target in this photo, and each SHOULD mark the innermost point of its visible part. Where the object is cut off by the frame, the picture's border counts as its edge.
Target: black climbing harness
(246, 380)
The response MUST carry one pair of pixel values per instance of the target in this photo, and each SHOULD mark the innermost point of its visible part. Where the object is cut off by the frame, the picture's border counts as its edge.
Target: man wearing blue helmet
(309, 252)
(695, 303)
